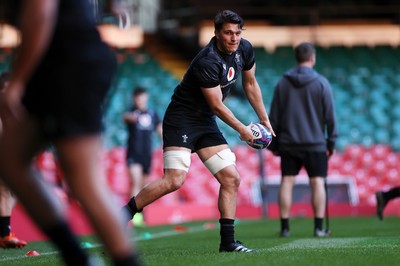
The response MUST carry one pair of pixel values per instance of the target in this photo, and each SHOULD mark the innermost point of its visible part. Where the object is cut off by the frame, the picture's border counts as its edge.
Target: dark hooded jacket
(302, 112)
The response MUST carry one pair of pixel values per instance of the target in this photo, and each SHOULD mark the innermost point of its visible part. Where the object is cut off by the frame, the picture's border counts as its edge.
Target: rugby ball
(262, 137)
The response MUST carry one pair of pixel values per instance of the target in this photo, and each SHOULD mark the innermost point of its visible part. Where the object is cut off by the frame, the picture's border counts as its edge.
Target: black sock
(391, 194)
(4, 226)
(132, 206)
(284, 224)
(318, 223)
(130, 209)
(227, 231)
(67, 243)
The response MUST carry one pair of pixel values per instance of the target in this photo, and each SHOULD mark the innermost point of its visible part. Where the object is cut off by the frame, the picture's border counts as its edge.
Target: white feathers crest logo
(231, 73)
(237, 58)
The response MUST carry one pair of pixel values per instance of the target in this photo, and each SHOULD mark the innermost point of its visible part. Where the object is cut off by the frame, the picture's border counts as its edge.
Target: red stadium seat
(47, 166)
(118, 180)
(392, 160)
(380, 151)
(353, 152)
(366, 159)
(378, 168)
(348, 168)
(393, 176)
(157, 165)
(243, 152)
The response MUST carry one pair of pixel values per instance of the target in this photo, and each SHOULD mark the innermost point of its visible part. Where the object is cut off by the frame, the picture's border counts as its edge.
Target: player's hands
(330, 148)
(329, 153)
(131, 117)
(245, 133)
(267, 124)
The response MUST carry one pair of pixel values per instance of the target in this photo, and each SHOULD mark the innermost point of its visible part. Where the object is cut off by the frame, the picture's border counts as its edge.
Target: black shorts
(315, 163)
(193, 138)
(144, 161)
(66, 92)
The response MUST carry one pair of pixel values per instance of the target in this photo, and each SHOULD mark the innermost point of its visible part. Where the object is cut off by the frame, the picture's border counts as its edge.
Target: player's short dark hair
(138, 91)
(304, 51)
(4, 78)
(227, 16)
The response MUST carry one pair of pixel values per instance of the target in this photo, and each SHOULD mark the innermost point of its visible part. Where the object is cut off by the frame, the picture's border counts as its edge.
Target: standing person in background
(60, 75)
(190, 124)
(141, 123)
(7, 200)
(383, 198)
(302, 113)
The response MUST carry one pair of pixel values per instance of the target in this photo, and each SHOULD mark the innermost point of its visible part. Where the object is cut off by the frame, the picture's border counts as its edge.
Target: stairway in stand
(168, 58)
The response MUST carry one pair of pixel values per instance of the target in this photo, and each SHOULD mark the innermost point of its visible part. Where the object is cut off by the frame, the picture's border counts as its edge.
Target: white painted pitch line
(135, 238)
(298, 244)
(326, 243)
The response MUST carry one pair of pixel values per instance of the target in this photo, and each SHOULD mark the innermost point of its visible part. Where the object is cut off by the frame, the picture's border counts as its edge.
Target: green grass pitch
(354, 241)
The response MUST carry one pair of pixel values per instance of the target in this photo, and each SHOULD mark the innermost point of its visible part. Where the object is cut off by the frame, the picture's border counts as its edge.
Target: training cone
(32, 253)
(209, 225)
(86, 245)
(180, 228)
(146, 235)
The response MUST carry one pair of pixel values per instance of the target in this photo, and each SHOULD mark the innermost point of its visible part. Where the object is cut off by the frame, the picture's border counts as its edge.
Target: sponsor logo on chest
(231, 74)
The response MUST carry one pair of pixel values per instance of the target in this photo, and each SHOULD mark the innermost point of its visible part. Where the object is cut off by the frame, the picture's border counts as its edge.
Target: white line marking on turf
(317, 244)
(24, 257)
(135, 238)
(328, 243)
(298, 244)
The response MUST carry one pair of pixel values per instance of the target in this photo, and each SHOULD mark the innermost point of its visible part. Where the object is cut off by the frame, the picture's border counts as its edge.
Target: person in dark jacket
(303, 117)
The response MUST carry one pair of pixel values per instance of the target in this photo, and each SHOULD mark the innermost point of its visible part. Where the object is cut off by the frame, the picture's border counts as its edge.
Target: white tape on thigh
(220, 160)
(178, 159)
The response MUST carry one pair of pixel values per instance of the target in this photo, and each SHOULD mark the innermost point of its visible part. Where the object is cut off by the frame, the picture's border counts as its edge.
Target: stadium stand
(365, 82)
(136, 67)
(366, 85)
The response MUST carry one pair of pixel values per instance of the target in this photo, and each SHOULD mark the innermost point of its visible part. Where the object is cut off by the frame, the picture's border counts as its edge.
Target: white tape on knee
(220, 160)
(178, 159)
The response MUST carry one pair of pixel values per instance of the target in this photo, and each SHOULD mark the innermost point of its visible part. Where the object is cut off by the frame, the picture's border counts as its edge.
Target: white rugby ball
(262, 137)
